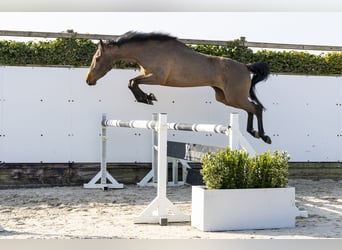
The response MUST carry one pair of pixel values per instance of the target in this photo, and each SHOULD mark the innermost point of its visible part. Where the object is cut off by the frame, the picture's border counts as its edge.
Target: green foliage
(231, 169)
(79, 52)
(293, 62)
(61, 51)
(300, 62)
(267, 170)
(225, 169)
(233, 50)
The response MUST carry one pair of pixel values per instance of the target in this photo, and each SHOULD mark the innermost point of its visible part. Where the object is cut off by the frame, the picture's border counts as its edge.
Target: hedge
(61, 51)
(294, 62)
(79, 52)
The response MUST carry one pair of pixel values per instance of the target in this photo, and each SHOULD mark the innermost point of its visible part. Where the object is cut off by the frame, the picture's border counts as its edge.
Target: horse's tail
(260, 72)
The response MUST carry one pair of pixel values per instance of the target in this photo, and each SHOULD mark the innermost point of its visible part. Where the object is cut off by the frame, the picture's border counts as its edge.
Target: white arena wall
(50, 115)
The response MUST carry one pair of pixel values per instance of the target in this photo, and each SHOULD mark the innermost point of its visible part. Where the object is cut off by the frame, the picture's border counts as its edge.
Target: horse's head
(102, 63)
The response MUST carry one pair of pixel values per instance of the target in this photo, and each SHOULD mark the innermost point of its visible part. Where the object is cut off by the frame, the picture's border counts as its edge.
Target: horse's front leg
(140, 95)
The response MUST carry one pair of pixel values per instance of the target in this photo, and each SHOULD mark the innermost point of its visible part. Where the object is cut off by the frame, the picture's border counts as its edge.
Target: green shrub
(231, 169)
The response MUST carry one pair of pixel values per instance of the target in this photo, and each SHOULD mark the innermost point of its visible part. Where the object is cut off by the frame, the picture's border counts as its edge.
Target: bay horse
(166, 61)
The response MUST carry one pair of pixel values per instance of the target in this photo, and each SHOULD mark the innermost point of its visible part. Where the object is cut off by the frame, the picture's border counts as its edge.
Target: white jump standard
(103, 174)
(161, 210)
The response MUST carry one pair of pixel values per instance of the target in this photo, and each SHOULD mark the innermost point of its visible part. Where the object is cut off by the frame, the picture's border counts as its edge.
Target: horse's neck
(127, 52)
(137, 52)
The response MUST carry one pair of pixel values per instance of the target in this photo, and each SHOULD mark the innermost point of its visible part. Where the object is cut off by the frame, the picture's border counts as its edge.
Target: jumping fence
(158, 211)
(236, 140)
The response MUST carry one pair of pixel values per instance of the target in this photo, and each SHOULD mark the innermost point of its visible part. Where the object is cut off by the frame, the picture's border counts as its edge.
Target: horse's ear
(102, 45)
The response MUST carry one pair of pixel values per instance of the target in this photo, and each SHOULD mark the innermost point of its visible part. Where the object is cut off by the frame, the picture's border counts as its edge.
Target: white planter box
(241, 209)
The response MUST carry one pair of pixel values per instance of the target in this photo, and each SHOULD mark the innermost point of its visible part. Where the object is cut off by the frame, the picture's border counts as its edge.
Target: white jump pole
(161, 210)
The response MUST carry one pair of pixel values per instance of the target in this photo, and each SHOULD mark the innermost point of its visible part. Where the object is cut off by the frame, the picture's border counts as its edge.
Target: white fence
(243, 42)
(50, 114)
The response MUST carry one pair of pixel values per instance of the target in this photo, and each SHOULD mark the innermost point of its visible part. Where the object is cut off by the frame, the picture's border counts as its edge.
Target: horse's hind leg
(251, 109)
(250, 128)
(261, 131)
(254, 109)
(219, 95)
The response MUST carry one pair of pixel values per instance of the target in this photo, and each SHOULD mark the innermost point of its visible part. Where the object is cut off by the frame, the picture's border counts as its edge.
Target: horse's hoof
(266, 139)
(152, 97)
(149, 101)
(146, 101)
(256, 134)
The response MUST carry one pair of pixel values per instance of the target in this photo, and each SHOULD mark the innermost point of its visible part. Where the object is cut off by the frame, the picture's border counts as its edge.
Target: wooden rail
(243, 41)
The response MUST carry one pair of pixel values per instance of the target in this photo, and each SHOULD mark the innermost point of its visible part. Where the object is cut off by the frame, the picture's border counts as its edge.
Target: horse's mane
(133, 36)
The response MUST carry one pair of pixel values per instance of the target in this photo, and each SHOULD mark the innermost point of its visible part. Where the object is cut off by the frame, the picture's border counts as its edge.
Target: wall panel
(50, 114)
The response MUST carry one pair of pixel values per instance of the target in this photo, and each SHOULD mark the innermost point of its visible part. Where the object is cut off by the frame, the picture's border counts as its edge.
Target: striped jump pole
(143, 124)
(236, 139)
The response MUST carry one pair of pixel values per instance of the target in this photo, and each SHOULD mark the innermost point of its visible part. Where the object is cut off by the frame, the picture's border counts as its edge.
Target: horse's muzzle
(90, 81)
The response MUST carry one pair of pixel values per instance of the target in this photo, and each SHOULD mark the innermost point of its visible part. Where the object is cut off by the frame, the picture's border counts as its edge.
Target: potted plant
(243, 192)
